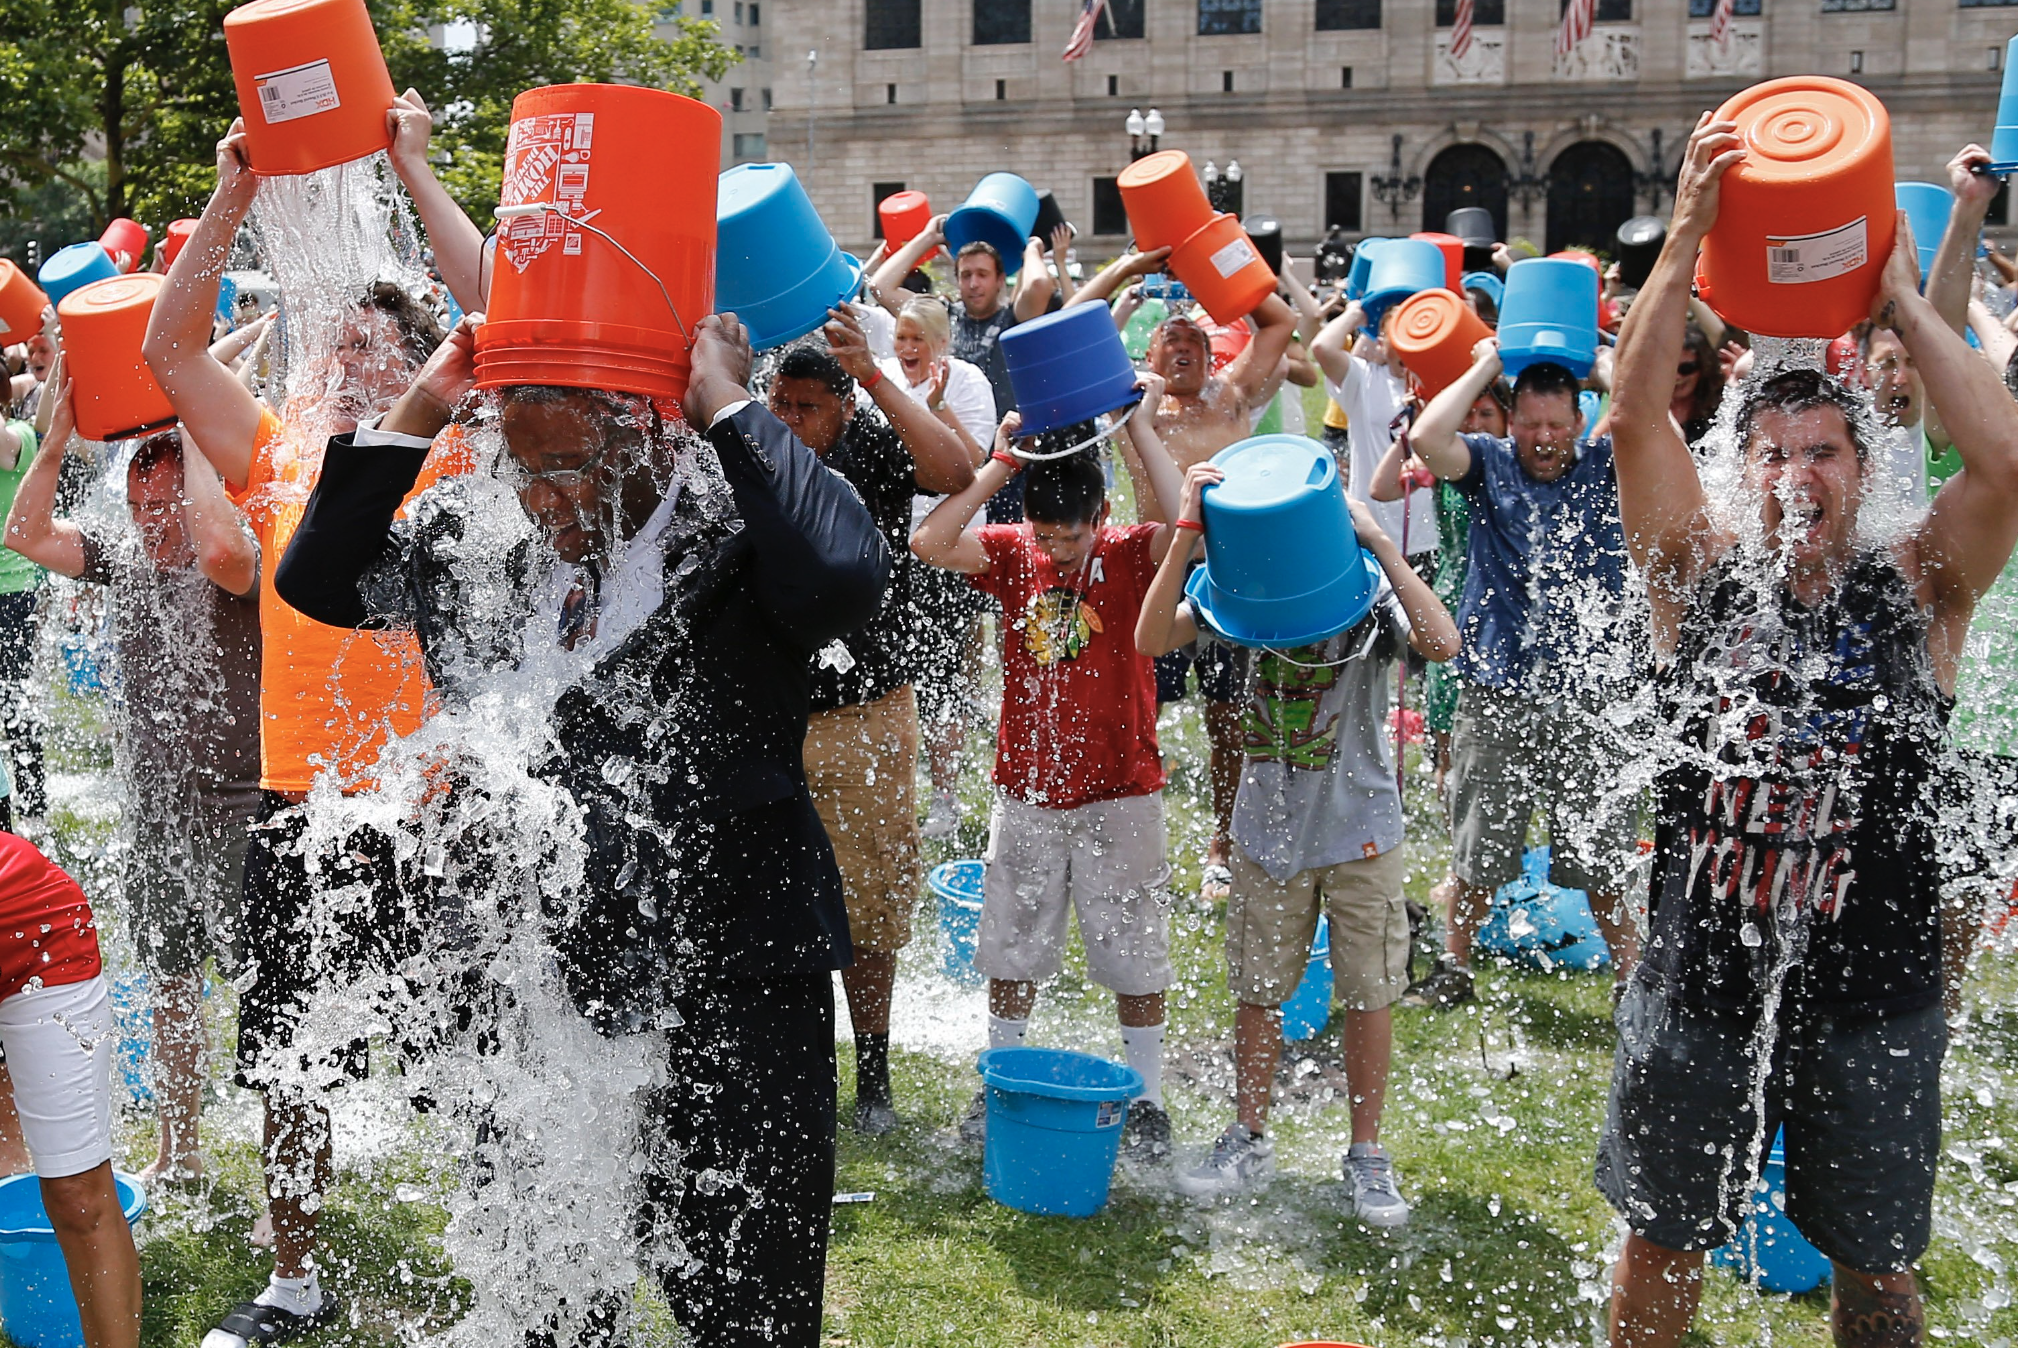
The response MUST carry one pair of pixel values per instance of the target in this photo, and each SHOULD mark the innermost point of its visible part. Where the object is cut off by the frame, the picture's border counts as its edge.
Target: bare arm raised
(32, 527)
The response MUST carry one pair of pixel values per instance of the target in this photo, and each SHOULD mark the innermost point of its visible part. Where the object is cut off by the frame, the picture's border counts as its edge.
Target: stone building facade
(1346, 112)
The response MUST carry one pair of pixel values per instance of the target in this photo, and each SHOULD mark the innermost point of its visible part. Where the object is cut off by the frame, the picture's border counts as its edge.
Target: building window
(1001, 90)
(749, 145)
(1333, 15)
(1608, 11)
(1345, 77)
(877, 193)
(735, 100)
(756, 15)
(889, 93)
(999, 22)
(1109, 215)
(1856, 63)
(1855, 6)
(1225, 81)
(891, 23)
(1488, 14)
(1219, 18)
(764, 96)
(1114, 85)
(739, 11)
(707, 8)
(1986, 4)
(1119, 19)
(1341, 201)
(756, 51)
(1744, 9)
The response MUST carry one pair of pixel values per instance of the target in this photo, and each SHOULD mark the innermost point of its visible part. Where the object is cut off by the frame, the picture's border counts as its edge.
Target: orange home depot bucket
(125, 242)
(114, 393)
(903, 215)
(173, 238)
(21, 305)
(1806, 217)
(1223, 269)
(1452, 248)
(311, 80)
(1433, 333)
(603, 269)
(1165, 201)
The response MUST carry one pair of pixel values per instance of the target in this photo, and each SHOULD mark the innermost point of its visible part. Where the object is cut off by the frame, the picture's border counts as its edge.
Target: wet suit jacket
(706, 859)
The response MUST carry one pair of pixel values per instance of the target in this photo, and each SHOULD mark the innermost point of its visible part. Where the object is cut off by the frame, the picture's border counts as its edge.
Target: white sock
(1142, 1045)
(1006, 1033)
(302, 1296)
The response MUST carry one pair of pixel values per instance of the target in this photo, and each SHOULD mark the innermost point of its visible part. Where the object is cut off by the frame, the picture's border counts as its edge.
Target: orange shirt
(328, 696)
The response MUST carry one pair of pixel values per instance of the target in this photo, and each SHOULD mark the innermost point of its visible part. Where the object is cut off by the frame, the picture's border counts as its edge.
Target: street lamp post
(1143, 132)
(1222, 188)
(1393, 188)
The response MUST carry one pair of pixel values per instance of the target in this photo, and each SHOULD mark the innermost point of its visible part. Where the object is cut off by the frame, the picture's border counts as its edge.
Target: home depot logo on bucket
(546, 160)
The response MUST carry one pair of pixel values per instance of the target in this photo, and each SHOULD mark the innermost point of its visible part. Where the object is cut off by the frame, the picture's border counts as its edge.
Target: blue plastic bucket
(1283, 566)
(1486, 281)
(1054, 1128)
(777, 267)
(80, 664)
(1543, 926)
(1000, 211)
(1768, 1246)
(1308, 1009)
(1362, 266)
(957, 886)
(1927, 207)
(1400, 268)
(2004, 140)
(1549, 315)
(133, 1013)
(1068, 367)
(37, 1309)
(75, 267)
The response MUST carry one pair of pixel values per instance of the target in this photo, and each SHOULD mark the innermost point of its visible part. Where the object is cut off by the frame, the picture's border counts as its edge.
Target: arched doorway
(1590, 196)
(1464, 175)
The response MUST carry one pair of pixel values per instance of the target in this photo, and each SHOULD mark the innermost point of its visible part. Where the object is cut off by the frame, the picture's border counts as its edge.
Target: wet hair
(1546, 380)
(1070, 490)
(1802, 390)
(929, 312)
(978, 246)
(620, 412)
(156, 451)
(1482, 300)
(811, 359)
(419, 332)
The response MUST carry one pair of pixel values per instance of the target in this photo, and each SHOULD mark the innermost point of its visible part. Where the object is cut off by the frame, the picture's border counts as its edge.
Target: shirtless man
(1200, 414)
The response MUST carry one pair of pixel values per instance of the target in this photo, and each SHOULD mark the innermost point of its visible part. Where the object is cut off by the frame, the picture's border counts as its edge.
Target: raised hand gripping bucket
(37, 1307)
(21, 305)
(114, 394)
(1000, 211)
(957, 887)
(125, 242)
(312, 83)
(1308, 1009)
(1768, 1245)
(78, 265)
(1402, 267)
(1452, 248)
(1223, 269)
(1283, 565)
(1807, 217)
(778, 268)
(173, 238)
(602, 272)
(1549, 314)
(904, 215)
(1362, 266)
(1927, 207)
(1068, 367)
(1054, 1128)
(1165, 201)
(1434, 332)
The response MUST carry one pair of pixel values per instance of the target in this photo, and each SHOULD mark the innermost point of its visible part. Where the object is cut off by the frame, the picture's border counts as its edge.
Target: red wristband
(1188, 524)
(1014, 464)
(875, 378)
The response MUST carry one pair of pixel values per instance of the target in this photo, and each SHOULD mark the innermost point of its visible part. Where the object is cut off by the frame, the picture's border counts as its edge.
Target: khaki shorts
(1270, 924)
(1511, 756)
(1109, 861)
(862, 768)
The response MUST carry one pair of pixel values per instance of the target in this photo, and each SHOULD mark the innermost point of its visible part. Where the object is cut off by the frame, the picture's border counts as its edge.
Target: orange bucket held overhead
(312, 83)
(1164, 199)
(603, 267)
(1434, 333)
(904, 216)
(21, 305)
(1222, 269)
(125, 242)
(114, 394)
(173, 238)
(1452, 248)
(1806, 218)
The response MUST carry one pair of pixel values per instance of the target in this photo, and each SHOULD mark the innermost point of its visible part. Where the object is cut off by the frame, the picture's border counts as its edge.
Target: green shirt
(17, 573)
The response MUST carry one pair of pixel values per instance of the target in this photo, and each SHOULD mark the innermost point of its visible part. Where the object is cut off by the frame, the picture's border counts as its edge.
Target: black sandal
(271, 1326)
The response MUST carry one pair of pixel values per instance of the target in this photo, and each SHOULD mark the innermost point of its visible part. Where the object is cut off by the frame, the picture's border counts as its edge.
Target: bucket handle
(1119, 415)
(579, 222)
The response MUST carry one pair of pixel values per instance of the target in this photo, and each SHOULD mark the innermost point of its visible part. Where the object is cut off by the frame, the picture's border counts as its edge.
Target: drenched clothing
(874, 660)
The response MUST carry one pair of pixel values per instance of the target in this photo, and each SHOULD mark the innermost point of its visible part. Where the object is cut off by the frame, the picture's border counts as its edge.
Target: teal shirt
(17, 573)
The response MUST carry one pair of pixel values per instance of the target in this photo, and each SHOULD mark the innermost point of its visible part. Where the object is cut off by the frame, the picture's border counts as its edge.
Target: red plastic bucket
(1165, 202)
(1452, 248)
(114, 393)
(1223, 269)
(904, 214)
(176, 235)
(125, 242)
(602, 270)
(312, 83)
(21, 305)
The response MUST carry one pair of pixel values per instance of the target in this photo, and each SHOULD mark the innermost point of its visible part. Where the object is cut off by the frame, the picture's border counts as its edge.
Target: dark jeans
(17, 714)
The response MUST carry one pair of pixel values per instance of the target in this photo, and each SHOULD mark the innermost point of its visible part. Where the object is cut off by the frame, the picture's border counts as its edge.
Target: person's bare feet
(173, 1171)
(262, 1231)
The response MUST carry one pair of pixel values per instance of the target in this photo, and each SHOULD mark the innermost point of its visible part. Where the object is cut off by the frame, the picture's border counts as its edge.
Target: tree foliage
(114, 108)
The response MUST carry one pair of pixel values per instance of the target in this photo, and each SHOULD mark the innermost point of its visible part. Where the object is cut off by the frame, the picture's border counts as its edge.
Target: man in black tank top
(1805, 669)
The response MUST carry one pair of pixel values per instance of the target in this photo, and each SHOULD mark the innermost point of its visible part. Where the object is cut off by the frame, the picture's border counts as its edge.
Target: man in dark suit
(671, 599)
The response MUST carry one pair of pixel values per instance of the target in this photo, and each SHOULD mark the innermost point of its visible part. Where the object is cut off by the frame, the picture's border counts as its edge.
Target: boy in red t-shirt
(1078, 818)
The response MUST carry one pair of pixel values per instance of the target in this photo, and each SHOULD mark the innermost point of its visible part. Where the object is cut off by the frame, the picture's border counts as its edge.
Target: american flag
(1720, 22)
(1578, 16)
(1082, 32)
(1460, 29)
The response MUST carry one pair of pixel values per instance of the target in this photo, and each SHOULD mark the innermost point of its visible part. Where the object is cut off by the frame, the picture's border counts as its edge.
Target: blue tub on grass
(1543, 926)
(1054, 1128)
(37, 1309)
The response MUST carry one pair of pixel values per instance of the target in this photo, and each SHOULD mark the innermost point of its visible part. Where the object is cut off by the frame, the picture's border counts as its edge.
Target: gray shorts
(184, 877)
(1108, 861)
(1860, 1100)
(1511, 756)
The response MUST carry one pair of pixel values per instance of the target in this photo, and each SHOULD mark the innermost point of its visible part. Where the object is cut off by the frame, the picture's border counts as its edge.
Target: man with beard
(1805, 666)
(678, 612)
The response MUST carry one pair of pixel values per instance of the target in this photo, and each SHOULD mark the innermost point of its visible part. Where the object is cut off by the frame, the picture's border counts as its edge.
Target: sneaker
(874, 1118)
(944, 819)
(974, 1123)
(1375, 1198)
(1442, 988)
(1240, 1161)
(1146, 1135)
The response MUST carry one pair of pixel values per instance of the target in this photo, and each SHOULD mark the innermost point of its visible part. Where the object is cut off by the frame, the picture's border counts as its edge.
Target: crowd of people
(1702, 596)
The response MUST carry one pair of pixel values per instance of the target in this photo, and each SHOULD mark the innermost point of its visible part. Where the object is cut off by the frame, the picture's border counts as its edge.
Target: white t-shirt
(1904, 458)
(973, 404)
(1370, 397)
